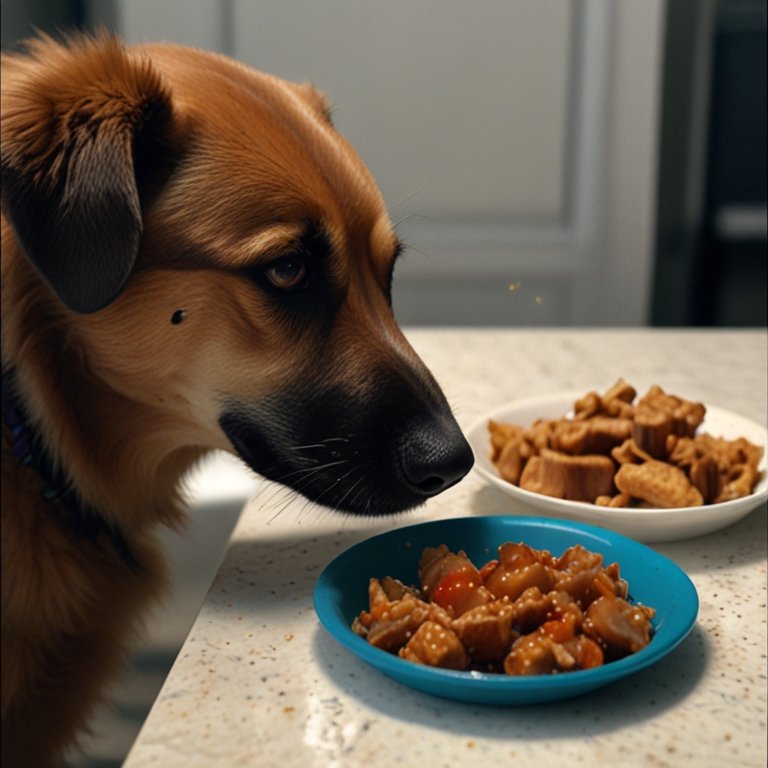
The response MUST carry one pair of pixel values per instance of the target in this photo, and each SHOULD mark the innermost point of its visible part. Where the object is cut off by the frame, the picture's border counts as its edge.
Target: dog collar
(27, 447)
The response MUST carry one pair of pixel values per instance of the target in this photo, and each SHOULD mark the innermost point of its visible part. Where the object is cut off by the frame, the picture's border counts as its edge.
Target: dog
(193, 258)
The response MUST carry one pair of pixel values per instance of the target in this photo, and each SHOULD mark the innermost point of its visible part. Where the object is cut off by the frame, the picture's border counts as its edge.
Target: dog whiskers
(270, 492)
(300, 479)
(333, 485)
(307, 472)
(322, 444)
(283, 503)
(355, 491)
(275, 469)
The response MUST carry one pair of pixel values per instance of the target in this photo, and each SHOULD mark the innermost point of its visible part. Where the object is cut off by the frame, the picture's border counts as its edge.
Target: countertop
(260, 683)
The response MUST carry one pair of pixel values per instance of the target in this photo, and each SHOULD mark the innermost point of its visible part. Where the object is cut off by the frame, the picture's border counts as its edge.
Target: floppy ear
(77, 120)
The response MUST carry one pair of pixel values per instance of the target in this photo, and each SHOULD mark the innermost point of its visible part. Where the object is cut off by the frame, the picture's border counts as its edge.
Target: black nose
(435, 457)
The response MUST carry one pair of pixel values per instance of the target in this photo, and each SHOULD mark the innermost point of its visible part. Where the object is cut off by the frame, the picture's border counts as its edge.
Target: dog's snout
(434, 458)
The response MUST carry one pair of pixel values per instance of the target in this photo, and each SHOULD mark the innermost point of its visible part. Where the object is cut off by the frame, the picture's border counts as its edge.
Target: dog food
(618, 452)
(523, 613)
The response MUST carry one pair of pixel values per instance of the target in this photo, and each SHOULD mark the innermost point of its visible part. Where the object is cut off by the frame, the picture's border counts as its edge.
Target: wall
(514, 141)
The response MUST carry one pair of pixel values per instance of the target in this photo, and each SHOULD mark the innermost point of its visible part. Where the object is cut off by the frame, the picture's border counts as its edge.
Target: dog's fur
(193, 258)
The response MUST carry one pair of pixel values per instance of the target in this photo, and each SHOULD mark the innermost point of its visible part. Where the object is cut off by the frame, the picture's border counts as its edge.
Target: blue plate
(341, 593)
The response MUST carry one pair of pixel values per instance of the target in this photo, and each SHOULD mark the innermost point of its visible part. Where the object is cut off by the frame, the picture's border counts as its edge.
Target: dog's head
(221, 255)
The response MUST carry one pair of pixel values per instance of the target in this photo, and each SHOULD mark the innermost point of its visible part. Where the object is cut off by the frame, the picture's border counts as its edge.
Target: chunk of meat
(533, 608)
(538, 654)
(393, 624)
(436, 562)
(451, 580)
(460, 591)
(394, 589)
(618, 626)
(436, 646)
(556, 646)
(609, 582)
(575, 573)
(585, 651)
(520, 567)
(486, 631)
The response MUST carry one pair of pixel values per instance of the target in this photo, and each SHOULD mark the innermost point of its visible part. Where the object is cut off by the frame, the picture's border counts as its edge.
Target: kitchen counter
(260, 683)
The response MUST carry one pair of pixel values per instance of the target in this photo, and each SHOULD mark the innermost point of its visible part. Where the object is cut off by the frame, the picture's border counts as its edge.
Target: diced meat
(436, 646)
(486, 631)
(617, 626)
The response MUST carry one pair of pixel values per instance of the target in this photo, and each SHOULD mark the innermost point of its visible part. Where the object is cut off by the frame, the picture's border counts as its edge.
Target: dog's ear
(79, 120)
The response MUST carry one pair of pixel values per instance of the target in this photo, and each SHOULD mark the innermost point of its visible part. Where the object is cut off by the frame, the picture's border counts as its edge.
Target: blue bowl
(341, 593)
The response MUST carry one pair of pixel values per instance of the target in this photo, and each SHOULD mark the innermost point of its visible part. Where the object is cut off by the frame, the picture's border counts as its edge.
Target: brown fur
(216, 169)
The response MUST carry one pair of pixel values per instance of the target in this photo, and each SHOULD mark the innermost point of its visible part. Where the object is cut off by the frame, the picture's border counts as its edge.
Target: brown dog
(192, 259)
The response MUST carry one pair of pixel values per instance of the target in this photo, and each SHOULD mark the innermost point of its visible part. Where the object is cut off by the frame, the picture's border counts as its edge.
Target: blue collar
(62, 500)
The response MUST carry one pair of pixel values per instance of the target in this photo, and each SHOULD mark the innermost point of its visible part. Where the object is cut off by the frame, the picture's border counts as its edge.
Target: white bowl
(647, 525)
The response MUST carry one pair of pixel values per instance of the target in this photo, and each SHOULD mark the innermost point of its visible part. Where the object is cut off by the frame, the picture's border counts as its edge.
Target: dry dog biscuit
(511, 450)
(617, 401)
(596, 434)
(577, 478)
(659, 415)
(659, 484)
(629, 452)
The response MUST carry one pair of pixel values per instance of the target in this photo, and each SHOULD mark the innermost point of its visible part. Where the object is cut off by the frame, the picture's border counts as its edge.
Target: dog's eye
(288, 274)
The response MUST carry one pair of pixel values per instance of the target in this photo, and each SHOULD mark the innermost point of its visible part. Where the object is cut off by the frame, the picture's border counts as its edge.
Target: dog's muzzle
(382, 453)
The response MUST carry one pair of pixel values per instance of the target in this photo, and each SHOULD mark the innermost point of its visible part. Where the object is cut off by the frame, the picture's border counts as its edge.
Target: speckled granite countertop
(260, 683)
